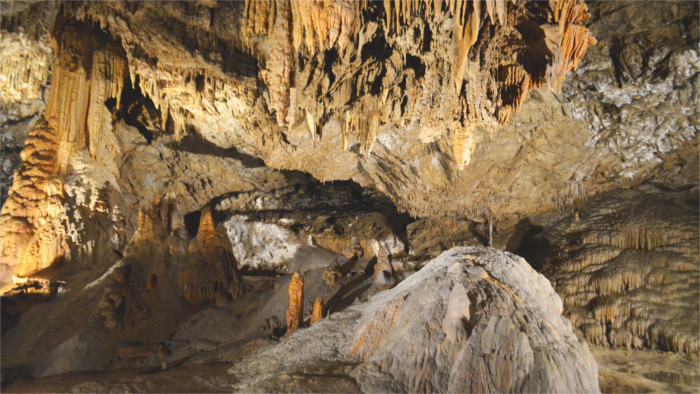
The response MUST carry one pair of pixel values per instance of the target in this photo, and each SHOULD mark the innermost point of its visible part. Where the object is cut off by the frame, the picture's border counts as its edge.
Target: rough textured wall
(626, 266)
(25, 71)
(637, 92)
(389, 97)
(416, 100)
(73, 139)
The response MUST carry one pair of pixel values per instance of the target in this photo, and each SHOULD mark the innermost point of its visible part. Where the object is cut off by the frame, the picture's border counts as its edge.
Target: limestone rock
(477, 319)
(626, 266)
(317, 313)
(270, 231)
(295, 313)
(382, 84)
(24, 75)
(637, 90)
(33, 222)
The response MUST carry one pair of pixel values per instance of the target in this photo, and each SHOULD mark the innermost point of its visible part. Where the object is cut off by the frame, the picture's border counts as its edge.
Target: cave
(349, 196)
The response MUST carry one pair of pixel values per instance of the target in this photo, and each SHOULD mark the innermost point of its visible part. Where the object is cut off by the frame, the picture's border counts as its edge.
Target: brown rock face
(136, 283)
(399, 95)
(381, 93)
(32, 222)
(295, 313)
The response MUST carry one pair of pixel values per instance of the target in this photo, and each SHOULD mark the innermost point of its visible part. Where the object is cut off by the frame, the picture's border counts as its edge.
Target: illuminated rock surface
(174, 164)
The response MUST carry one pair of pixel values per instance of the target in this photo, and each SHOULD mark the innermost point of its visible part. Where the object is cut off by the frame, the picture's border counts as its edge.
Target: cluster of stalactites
(317, 24)
(515, 82)
(467, 15)
(575, 38)
(24, 67)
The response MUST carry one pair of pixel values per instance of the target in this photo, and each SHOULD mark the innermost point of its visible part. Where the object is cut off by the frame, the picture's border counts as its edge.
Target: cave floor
(645, 371)
(188, 378)
(620, 370)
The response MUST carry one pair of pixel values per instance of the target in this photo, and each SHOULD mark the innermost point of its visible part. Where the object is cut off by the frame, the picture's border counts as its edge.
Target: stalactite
(575, 38)
(463, 146)
(620, 273)
(107, 82)
(465, 35)
(322, 24)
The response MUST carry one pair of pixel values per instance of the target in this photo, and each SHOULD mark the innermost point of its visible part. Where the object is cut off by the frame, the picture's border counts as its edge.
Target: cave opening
(378, 49)
(138, 111)
(192, 222)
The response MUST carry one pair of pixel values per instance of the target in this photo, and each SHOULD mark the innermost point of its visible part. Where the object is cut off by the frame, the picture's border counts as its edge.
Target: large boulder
(472, 320)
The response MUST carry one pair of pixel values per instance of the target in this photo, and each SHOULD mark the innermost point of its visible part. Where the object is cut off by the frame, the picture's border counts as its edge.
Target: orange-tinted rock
(317, 313)
(33, 222)
(295, 313)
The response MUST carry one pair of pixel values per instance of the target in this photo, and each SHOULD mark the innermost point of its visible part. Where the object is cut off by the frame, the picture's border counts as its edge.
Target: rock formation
(626, 266)
(478, 320)
(135, 135)
(295, 313)
(317, 313)
(383, 271)
(210, 269)
(34, 225)
(489, 58)
(267, 230)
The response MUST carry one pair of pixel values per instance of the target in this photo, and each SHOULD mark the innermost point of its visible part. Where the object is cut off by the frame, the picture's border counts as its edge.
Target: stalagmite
(317, 313)
(295, 313)
(210, 270)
